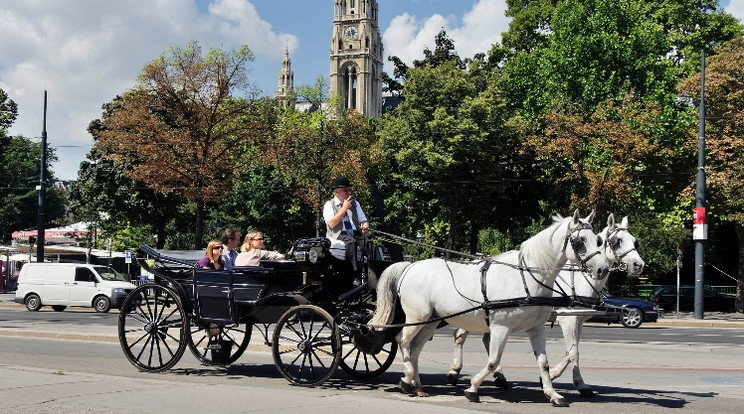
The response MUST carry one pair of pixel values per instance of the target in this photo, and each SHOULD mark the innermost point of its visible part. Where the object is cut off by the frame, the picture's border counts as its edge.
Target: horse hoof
(407, 388)
(420, 392)
(499, 380)
(559, 402)
(586, 393)
(452, 378)
(472, 396)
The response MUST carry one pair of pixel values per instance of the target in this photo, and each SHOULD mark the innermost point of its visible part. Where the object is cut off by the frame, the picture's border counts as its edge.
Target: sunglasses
(217, 247)
(258, 238)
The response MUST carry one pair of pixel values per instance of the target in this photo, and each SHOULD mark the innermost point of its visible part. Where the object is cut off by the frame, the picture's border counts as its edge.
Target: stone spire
(285, 93)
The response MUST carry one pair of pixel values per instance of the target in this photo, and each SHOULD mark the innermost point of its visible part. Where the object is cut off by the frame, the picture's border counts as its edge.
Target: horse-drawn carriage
(317, 313)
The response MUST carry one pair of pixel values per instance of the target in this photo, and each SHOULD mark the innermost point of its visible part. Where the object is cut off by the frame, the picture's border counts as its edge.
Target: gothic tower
(356, 56)
(285, 92)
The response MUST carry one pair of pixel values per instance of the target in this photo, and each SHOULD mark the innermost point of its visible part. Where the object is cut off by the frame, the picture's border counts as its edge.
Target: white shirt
(328, 211)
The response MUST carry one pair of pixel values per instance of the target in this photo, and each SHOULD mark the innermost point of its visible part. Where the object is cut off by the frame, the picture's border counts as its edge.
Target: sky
(86, 52)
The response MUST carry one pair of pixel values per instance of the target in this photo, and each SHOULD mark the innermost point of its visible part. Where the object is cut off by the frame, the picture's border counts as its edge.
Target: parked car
(60, 285)
(634, 311)
(666, 297)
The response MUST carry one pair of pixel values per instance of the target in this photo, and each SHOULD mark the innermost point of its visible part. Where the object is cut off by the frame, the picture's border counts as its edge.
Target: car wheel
(633, 318)
(33, 302)
(102, 304)
(59, 308)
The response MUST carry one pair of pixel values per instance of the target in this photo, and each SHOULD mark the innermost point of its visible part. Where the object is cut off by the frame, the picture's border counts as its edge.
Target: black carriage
(318, 315)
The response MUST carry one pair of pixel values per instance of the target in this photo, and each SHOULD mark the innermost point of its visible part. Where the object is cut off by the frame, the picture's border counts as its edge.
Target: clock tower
(356, 56)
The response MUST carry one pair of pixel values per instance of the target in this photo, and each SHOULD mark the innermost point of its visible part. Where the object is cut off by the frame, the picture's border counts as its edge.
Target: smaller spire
(285, 91)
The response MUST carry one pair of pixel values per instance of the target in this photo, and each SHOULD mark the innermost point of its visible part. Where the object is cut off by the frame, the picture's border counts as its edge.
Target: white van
(60, 285)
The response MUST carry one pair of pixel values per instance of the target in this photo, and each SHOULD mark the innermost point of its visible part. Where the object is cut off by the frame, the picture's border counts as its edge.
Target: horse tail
(387, 293)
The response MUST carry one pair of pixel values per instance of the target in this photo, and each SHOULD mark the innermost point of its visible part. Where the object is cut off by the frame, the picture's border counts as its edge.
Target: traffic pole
(700, 215)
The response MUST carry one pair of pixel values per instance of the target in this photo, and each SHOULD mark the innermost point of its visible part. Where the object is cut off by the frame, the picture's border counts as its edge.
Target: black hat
(341, 182)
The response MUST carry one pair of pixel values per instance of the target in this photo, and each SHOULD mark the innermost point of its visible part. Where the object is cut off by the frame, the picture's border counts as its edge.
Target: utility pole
(700, 215)
(42, 190)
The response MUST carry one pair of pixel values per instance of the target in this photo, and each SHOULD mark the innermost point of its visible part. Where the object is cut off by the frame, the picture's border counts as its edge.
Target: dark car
(630, 312)
(666, 297)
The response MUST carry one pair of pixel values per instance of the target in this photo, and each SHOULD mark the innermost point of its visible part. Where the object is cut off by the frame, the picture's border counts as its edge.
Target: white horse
(621, 249)
(509, 293)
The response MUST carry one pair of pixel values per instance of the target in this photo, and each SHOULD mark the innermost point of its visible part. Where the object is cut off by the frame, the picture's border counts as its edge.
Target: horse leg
(405, 344)
(499, 379)
(417, 345)
(570, 332)
(537, 339)
(495, 349)
(454, 373)
(578, 381)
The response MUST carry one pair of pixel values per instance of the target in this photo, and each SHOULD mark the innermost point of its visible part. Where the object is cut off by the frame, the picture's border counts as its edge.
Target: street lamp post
(700, 224)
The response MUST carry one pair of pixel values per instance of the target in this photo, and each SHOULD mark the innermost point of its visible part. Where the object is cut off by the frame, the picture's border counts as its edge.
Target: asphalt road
(19, 317)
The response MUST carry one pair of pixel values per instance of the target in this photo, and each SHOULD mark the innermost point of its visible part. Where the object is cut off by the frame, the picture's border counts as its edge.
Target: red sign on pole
(699, 223)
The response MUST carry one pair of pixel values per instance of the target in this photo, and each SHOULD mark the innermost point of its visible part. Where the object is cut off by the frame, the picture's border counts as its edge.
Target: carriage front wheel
(306, 345)
(152, 325)
(218, 343)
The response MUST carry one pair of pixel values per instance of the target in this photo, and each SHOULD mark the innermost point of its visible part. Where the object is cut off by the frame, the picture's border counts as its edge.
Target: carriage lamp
(300, 256)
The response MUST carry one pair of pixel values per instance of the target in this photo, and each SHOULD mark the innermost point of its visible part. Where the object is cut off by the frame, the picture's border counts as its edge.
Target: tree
(102, 190)
(20, 159)
(724, 164)
(180, 129)
(450, 149)
(310, 148)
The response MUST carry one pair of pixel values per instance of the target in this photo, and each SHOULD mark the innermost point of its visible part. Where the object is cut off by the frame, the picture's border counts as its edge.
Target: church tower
(285, 93)
(356, 56)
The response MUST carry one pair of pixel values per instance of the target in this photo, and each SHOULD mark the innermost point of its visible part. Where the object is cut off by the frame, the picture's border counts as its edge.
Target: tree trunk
(740, 268)
(199, 239)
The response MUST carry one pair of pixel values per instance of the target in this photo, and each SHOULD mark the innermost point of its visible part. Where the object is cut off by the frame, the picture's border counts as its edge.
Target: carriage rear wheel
(218, 344)
(357, 363)
(151, 327)
(306, 345)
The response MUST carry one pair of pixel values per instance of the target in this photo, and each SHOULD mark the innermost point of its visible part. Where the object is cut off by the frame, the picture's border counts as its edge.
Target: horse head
(584, 247)
(621, 247)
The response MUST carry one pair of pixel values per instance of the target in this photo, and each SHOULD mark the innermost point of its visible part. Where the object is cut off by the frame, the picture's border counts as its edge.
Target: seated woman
(213, 257)
(252, 251)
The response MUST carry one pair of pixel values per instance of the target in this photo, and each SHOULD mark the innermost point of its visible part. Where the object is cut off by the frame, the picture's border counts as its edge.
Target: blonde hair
(247, 241)
(210, 248)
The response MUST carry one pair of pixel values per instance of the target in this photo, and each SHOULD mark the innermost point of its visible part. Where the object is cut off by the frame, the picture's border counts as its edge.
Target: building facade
(356, 56)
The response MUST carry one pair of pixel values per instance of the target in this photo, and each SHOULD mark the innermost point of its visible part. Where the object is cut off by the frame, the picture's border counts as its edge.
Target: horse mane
(539, 248)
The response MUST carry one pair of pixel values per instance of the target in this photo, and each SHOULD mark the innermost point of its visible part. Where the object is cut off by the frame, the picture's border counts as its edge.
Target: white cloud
(408, 36)
(736, 8)
(84, 52)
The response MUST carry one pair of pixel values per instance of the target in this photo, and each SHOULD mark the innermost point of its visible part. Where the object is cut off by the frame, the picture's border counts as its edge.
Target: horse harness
(563, 301)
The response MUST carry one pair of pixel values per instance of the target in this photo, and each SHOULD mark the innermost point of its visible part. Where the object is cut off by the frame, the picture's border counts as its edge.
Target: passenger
(251, 252)
(212, 257)
(230, 241)
(345, 221)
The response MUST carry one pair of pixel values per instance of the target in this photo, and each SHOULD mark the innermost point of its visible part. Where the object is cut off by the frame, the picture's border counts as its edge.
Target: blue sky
(85, 52)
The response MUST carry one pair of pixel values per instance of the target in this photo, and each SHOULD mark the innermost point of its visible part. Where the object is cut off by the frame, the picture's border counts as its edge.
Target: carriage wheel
(151, 327)
(218, 344)
(359, 364)
(306, 345)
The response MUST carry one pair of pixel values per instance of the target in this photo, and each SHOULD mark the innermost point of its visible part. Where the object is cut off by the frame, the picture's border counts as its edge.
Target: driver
(345, 221)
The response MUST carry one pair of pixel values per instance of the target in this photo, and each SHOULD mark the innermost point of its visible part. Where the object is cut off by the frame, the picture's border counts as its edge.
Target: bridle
(575, 244)
(618, 256)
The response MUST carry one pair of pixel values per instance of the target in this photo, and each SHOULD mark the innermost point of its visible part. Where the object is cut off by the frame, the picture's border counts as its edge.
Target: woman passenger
(213, 257)
(251, 252)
